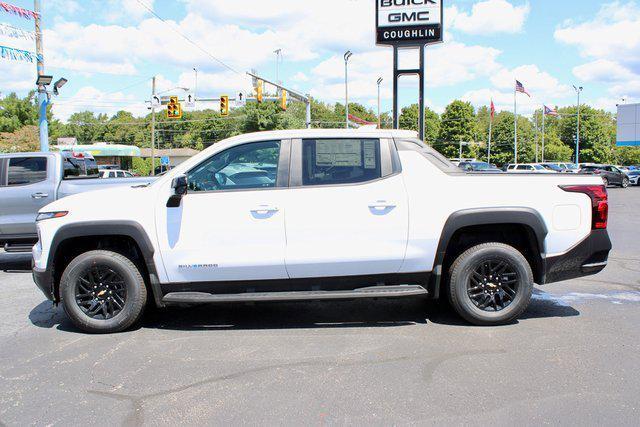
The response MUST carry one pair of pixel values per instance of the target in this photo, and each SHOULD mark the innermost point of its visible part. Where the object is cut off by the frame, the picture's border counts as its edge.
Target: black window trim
(282, 180)
(3, 172)
(389, 167)
(46, 171)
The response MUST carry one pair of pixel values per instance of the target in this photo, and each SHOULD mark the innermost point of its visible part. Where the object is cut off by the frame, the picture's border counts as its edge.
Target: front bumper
(44, 281)
(585, 259)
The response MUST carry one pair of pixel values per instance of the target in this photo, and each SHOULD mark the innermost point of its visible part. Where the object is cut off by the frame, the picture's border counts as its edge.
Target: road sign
(190, 101)
(164, 161)
(156, 102)
(408, 22)
(241, 99)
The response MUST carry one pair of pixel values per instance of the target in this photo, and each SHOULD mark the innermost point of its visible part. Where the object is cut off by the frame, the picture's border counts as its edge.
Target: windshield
(538, 167)
(482, 166)
(553, 167)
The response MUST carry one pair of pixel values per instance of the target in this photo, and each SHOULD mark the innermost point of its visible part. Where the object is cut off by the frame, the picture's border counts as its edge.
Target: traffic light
(224, 105)
(259, 94)
(283, 100)
(174, 109)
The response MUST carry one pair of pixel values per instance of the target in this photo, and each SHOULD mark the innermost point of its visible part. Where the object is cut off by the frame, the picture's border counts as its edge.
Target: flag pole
(537, 135)
(543, 120)
(515, 125)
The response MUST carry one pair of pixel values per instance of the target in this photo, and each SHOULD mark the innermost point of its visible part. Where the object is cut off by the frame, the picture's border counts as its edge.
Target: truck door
(230, 224)
(28, 187)
(347, 212)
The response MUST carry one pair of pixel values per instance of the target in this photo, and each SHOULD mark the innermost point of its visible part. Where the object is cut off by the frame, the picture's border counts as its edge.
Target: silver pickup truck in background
(30, 181)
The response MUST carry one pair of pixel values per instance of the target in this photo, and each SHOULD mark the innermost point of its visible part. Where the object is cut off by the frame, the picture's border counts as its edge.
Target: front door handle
(381, 204)
(39, 195)
(264, 209)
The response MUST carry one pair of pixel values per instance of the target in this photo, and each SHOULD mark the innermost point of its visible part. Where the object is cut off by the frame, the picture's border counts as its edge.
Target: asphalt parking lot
(572, 359)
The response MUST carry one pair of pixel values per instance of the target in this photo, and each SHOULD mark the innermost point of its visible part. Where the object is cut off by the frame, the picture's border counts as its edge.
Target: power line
(188, 39)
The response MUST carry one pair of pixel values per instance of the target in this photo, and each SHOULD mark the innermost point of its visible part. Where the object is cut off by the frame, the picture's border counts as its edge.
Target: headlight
(48, 215)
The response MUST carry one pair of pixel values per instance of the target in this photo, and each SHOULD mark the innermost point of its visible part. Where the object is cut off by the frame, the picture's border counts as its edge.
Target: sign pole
(395, 87)
(421, 99)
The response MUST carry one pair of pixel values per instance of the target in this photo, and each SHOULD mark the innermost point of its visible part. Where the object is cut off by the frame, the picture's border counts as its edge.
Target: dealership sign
(408, 22)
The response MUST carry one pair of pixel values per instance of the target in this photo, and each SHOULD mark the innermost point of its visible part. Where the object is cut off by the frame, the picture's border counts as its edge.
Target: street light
(578, 91)
(347, 55)
(379, 119)
(57, 85)
(195, 90)
(44, 80)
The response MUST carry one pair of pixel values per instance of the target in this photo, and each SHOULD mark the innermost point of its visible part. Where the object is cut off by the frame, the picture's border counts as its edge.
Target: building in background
(175, 155)
(106, 154)
(628, 125)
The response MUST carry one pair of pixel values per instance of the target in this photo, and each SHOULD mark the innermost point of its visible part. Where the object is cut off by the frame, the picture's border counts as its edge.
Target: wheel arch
(517, 219)
(94, 235)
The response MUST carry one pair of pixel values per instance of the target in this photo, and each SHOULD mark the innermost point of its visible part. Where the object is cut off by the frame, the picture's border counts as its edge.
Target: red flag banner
(493, 110)
(24, 13)
(360, 121)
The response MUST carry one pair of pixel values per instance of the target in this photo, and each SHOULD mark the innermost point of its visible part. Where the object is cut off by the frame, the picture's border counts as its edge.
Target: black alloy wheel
(101, 292)
(493, 285)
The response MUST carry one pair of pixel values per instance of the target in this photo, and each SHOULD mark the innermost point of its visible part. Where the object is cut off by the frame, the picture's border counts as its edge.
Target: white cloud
(612, 40)
(16, 76)
(93, 99)
(489, 17)
(300, 77)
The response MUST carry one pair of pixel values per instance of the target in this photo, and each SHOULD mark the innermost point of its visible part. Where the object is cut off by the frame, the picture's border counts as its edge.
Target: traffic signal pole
(292, 93)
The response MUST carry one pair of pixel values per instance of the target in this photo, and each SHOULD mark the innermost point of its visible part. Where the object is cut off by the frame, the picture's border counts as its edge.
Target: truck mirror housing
(179, 186)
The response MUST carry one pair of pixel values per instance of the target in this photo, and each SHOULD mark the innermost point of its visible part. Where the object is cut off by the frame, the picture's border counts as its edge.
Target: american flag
(520, 88)
(550, 112)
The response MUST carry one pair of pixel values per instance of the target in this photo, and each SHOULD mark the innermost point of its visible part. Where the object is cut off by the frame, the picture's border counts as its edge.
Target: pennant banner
(17, 54)
(25, 13)
(16, 33)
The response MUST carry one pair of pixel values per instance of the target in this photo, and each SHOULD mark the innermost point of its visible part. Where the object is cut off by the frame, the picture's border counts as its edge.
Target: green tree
(409, 120)
(16, 112)
(503, 139)
(458, 123)
(597, 133)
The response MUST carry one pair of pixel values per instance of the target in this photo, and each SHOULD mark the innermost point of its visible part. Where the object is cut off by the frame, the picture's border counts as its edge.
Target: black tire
(625, 182)
(467, 295)
(605, 181)
(78, 288)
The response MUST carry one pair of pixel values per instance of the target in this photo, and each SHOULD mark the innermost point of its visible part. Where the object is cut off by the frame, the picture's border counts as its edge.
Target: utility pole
(379, 118)
(42, 91)
(536, 133)
(195, 90)
(278, 53)
(153, 127)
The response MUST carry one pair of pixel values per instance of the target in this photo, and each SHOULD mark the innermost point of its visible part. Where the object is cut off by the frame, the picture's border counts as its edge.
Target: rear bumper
(585, 259)
(44, 282)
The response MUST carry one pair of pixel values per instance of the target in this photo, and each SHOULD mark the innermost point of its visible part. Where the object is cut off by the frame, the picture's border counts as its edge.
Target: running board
(370, 292)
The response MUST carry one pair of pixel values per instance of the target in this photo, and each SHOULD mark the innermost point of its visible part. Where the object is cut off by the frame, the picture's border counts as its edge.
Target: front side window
(27, 170)
(340, 161)
(247, 166)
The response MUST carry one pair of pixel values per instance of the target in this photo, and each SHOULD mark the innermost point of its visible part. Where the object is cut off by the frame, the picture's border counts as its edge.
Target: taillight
(599, 203)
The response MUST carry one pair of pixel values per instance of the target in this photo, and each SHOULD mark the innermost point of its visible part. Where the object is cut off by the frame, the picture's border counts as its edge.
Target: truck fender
(485, 216)
(111, 228)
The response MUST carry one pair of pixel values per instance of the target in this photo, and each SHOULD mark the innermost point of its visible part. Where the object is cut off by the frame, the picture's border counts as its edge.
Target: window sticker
(338, 153)
(369, 154)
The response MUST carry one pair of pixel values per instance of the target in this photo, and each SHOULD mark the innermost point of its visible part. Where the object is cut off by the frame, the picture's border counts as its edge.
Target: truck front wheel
(103, 292)
(490, 284)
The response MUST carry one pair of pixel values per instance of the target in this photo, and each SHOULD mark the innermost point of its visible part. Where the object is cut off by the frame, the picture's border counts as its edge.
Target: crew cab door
(347, 211)
(230, 224)
(27, 184)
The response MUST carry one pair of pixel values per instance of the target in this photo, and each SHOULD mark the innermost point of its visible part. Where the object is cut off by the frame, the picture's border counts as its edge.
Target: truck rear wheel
(103, 292)
(490, 284)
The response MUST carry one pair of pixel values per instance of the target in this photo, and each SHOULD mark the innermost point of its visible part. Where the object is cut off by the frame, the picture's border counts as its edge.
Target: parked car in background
(526, 168)
(634, 176)
(479, 167)
(115, 174)
(159, 170)
(29, 181)
(610, 174)
(553, 167)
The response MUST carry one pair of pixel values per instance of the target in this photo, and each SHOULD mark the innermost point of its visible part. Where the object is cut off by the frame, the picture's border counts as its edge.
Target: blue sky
(109, 49)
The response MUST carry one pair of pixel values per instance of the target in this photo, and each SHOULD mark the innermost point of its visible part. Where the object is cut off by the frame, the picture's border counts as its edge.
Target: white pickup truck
(319, 214)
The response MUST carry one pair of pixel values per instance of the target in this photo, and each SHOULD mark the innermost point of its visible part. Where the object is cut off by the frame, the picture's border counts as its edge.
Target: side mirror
(179, 186)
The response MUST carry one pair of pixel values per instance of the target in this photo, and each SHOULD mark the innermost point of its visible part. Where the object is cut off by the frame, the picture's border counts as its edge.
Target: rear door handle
(264, 209)
(39, 195)
(381, 204)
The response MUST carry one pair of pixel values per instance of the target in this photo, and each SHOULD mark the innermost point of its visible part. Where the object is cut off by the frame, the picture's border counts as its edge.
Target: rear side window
(27, 170)
(340, 161)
